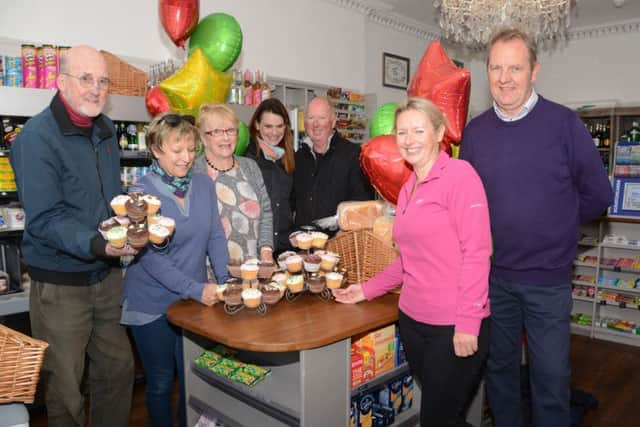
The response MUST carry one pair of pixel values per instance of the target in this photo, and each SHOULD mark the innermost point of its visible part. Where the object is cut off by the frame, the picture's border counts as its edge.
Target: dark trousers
(447, 382)
(82, 323)
(543, 311)
(160, 347)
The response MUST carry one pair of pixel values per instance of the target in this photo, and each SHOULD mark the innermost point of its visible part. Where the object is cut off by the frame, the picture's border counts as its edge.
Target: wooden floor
(609, 371)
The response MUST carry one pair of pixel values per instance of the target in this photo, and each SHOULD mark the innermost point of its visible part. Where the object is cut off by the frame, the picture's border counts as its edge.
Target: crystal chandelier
(472, 22)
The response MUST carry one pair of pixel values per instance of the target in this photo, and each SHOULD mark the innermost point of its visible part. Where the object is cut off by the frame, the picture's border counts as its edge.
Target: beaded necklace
(233, 164)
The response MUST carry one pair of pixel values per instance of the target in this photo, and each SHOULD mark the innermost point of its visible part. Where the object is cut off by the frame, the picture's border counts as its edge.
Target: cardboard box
(357, 374)
(383, 344)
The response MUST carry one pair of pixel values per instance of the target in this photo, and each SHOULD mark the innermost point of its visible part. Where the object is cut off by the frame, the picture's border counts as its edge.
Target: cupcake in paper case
(271, 293)
(294, 263)
(153, 219)
(117, 236)
(304, 240)
(316, 283)
(158, 234)
(137, 236)
(107, 225)
(220, 291)
(319, 239)
(251, 297)
(280, 278)
(153, 203)
(283, 257)
(118, 204)
(167, 222)
(293, 238)
(328, 262)
(295, 283)
(249, 271)
(334, 280)
(311, 263)
(136, 209)
(232, 294)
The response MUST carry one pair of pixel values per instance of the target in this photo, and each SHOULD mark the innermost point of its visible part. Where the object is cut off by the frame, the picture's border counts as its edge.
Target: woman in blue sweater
(159, 277)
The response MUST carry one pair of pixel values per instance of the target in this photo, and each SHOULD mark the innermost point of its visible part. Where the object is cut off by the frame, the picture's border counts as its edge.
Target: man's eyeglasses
(88, 81)
(174, 120)
(218, 132)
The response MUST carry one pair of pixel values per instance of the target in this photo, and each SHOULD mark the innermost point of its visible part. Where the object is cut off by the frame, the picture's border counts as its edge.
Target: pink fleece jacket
(444, 238)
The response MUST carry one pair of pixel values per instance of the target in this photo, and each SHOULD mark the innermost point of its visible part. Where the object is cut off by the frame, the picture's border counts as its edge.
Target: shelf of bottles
(248, 88)
(134, 155)
(600, 130)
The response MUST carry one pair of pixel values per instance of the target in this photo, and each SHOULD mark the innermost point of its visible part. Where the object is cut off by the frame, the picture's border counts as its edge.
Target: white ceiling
(586, 13)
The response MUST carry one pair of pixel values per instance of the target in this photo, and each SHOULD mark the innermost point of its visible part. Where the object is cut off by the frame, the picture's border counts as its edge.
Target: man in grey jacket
(66, 163)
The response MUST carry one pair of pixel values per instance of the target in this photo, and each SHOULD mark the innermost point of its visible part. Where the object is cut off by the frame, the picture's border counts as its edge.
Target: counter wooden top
(306, 323)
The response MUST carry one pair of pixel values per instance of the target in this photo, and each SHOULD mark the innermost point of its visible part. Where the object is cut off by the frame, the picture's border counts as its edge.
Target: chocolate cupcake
(316, 283)
(266, 269)
(270, 293)
(136, 209)
(137, 236)
(233, 294)
(311, 263)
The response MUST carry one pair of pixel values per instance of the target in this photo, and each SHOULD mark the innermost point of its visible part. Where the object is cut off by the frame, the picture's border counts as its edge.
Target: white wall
(380, 39)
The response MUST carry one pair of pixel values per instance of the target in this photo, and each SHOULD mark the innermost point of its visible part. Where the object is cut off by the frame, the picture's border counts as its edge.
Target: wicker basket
(20, 362)
(362, 253)
(125, 79)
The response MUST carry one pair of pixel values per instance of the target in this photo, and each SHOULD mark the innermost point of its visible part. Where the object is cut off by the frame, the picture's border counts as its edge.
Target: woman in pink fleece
(443, 235)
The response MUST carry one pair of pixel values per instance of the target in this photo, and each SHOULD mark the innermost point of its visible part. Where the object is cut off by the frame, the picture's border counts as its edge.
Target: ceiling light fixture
(472, 22)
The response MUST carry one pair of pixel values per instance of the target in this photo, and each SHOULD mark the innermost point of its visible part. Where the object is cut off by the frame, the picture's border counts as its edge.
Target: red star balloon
(156, 101)
(380, 159)
(446, 85)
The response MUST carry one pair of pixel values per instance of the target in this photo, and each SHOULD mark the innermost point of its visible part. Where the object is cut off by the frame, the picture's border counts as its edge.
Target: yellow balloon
(196, 83)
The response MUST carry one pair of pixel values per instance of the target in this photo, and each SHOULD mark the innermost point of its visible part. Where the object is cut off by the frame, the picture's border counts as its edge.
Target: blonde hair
(215, 109)
(165, 124)
(435, 115)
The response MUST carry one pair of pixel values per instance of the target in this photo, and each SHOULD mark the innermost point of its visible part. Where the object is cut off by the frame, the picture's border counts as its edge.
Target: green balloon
(220, 38)
(243, 139)
(382, 120)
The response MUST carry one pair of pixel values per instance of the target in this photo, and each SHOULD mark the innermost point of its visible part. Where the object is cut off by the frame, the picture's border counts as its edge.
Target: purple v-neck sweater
(543, 178)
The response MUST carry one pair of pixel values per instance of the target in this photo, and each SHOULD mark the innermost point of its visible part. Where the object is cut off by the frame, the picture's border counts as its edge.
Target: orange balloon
(381, 161)
(437, 78)
(196, 83)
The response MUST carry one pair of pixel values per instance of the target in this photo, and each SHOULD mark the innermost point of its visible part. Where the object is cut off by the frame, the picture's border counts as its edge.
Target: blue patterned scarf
(178, 186)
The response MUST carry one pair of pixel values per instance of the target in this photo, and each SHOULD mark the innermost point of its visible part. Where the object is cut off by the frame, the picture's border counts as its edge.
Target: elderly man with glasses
(67, 169)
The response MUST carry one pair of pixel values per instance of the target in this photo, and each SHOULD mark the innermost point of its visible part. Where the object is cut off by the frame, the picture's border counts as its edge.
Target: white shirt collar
(526, 108)
(308, 141)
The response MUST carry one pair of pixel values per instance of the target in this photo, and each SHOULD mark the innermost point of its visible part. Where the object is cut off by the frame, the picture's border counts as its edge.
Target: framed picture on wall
(395, 71)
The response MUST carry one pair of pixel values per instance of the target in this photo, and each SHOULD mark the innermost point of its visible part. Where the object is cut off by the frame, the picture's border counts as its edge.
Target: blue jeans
(160, 347)
(543, 311)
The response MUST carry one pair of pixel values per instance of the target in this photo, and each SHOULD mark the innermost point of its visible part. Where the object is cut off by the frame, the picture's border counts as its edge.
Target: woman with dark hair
(272, 148)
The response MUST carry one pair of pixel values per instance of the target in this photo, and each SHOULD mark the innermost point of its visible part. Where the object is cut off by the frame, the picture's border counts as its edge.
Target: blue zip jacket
(66, 178)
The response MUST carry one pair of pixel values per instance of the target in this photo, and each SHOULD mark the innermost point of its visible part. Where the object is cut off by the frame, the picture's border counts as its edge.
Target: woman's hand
(350, 295)
(464, 344)
(266, 254)
(209, 295)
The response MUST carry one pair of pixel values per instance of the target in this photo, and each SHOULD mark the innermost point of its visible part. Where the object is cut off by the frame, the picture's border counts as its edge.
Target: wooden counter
(308, 322)
(306, 344)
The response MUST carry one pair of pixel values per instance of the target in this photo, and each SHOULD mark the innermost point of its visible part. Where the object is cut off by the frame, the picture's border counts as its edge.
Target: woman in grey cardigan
(243, 201)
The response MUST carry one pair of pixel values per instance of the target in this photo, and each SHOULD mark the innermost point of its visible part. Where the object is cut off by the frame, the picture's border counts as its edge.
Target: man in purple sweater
(543, 178)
